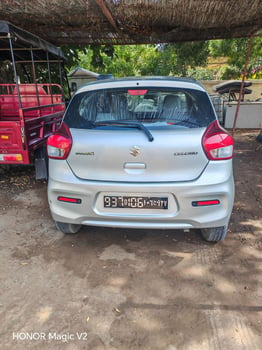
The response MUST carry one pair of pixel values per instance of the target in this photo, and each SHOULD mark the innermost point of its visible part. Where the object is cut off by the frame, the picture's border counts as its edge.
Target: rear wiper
(127, 124)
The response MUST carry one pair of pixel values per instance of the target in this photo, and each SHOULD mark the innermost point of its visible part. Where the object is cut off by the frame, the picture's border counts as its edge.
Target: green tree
(123, 60)
(235, 50)
(190, 55)
(73, 55)
(130, 60)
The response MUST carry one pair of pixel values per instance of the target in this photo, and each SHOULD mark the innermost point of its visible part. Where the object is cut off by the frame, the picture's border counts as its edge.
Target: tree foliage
(236, 51)
(168, 59)
(179, 59)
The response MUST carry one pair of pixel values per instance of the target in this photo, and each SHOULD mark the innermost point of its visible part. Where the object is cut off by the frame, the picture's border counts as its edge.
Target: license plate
(136, 202)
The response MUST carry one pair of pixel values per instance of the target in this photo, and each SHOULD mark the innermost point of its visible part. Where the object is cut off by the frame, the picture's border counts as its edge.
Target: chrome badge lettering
(185, 153)
(85, 153)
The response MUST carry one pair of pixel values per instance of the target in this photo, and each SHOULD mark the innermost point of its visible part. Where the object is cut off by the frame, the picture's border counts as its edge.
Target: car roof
(156, 81)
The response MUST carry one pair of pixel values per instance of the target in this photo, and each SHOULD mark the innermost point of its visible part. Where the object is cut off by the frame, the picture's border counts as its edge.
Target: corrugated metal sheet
(133, 21)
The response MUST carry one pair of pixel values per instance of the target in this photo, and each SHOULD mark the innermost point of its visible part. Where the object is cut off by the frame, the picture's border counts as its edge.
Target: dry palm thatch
(85, 22)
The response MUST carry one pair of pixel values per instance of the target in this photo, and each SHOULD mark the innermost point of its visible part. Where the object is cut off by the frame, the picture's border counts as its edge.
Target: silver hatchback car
(141, 153)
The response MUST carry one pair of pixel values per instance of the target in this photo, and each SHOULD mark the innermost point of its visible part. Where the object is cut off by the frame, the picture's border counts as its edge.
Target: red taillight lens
(217, 143)
(59, 144)
(17, 157)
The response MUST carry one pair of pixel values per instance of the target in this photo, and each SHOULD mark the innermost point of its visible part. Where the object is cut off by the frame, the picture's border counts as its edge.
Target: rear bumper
(216, 183)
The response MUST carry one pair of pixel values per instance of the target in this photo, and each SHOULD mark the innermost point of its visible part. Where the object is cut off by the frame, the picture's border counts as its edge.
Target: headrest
(171, 101)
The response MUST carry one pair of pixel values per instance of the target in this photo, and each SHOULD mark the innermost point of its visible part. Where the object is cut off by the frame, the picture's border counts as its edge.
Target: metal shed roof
(85, 22)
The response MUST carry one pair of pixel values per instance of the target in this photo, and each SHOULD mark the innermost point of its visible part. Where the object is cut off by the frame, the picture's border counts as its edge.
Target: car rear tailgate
(122, 154)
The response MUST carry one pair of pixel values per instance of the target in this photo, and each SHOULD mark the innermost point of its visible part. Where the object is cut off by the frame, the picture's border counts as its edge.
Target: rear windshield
(150, 106)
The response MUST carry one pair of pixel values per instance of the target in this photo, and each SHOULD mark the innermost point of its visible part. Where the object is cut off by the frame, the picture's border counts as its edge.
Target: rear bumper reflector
(69, 200)
(205, 203)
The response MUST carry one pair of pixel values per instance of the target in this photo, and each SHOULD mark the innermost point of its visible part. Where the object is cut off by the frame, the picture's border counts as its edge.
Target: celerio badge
(185, 153)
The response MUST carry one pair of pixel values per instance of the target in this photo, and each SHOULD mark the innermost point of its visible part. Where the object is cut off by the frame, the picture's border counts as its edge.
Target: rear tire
(214, 234)
(68, 229)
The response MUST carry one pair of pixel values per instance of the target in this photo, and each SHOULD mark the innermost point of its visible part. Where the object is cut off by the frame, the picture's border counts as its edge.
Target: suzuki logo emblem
(134, 151)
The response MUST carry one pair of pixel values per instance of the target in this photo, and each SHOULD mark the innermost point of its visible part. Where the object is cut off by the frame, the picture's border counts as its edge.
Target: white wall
(249, 116)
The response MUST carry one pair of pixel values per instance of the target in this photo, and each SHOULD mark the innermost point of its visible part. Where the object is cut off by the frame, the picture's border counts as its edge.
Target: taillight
(59, 144)
(217, 143)
(17, 157)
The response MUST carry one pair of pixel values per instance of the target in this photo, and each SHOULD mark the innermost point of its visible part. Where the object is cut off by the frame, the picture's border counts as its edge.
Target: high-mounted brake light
(217, 143)
(137, 92)
(59, 144)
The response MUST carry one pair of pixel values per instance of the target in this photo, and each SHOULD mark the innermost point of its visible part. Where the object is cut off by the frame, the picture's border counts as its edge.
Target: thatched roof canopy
(133, 21)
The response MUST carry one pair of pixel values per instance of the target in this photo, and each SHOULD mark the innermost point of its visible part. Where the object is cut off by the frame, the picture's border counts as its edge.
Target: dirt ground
(121, 289)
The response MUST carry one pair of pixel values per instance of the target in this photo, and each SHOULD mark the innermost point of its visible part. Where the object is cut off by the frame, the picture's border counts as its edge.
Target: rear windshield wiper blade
(127, 124)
